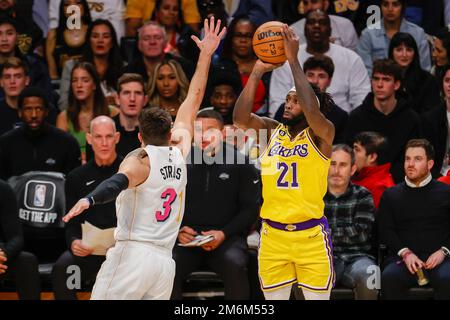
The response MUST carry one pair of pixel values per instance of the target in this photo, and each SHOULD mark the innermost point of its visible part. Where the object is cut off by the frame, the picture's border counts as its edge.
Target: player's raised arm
(242, 115)
(306, 96)
(183, 127)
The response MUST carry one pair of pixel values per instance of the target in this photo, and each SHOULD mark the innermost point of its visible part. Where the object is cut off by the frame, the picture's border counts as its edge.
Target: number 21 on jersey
(283, 182)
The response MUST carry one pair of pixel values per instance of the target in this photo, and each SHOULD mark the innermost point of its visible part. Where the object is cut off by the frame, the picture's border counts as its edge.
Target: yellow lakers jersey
(294, 176)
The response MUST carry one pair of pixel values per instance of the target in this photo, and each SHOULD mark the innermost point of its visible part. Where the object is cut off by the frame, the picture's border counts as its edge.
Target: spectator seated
(414, 293)
(206, 284)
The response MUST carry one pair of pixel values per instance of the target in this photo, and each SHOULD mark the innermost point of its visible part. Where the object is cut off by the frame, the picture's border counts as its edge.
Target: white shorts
(135, 271)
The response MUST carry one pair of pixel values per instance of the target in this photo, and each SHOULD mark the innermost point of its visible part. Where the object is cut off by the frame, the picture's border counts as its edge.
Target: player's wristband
(108, 190)
(91, 201)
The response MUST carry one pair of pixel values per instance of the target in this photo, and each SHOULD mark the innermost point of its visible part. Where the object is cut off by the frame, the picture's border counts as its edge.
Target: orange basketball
(268, 42)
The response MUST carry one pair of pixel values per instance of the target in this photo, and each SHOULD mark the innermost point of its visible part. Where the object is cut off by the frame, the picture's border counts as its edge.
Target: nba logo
(273, 50)
(39, 195)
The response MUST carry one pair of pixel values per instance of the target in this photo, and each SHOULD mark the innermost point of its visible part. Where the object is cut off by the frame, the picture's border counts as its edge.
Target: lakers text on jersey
(294, 177)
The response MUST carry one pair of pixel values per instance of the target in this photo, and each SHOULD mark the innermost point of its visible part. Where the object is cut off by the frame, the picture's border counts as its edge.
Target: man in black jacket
(386, 112)
(414, 221)
(13, 79)
(22, 266)
(223, 196)
(103, 138)
(36, 145)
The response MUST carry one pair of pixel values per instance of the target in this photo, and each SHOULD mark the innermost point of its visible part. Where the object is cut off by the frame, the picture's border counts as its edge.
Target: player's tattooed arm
(140, 153)
(136, 167)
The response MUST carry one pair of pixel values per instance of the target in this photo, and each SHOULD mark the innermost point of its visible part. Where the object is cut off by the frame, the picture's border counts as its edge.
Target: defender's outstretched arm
(183, 128)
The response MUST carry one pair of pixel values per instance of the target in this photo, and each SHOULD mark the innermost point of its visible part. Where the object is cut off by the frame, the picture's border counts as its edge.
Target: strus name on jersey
(278, 150)
(170, 172)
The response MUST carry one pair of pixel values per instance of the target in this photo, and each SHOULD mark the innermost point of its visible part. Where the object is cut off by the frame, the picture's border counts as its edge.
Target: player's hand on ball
(77, 209)
(291, 43)
(264, 67)
(212, 37)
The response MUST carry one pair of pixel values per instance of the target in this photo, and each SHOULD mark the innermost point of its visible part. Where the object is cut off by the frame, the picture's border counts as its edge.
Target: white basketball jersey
(153, 211)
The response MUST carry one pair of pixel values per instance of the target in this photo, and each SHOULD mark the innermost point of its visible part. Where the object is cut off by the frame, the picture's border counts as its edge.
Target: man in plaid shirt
(350, 212)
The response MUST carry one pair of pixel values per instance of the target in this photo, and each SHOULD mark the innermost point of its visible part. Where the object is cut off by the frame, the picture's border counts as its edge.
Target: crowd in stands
(75, 74)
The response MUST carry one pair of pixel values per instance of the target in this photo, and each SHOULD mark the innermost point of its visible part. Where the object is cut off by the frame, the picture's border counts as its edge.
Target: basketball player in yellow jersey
(295, 242)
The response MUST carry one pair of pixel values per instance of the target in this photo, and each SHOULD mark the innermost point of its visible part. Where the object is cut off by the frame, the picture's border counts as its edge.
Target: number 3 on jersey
(284, 169)
(169, 195)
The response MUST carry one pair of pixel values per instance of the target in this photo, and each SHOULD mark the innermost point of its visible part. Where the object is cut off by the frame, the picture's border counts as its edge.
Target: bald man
(103, 138)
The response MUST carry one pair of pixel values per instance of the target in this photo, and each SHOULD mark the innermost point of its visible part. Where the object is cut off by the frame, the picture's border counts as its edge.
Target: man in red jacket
(372, 172)
(445, 179)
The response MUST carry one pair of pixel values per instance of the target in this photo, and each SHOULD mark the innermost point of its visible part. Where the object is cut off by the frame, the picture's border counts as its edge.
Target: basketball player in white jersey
(149, 188)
